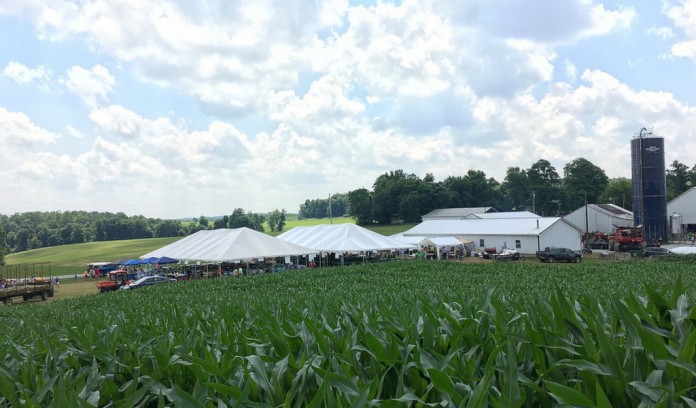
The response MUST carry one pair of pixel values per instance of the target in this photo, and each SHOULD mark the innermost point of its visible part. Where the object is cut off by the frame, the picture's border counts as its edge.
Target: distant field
(71, 259)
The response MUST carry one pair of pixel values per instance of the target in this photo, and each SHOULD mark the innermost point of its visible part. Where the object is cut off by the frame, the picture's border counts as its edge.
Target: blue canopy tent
(132, 262)
(160, 261)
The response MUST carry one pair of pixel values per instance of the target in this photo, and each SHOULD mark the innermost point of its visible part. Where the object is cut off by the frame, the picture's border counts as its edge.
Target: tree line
(32, 230)
(400, 197)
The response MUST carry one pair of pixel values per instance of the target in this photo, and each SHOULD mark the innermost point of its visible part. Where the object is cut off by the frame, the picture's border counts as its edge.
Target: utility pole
(330, 216)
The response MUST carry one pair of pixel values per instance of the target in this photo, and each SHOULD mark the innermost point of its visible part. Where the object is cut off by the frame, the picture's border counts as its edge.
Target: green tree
(273, 218)
(581, 180)
(618, 191)
(221, 222)
(360, 204)
(240, 218)
(516, 188)
(679, 179)
(280, 225)
(168, 228)
(545, 185)
(203, 221)
(389, 190)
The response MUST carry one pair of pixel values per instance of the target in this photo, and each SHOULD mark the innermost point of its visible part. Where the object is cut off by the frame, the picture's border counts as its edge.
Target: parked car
(148, 281)
(656, 251)
(554, 254)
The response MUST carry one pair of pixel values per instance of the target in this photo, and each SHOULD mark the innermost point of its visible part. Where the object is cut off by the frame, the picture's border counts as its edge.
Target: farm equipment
(623, 239)
(508, 255)
(116, 280)
(598, 240)
(627, 239)
(26, 281)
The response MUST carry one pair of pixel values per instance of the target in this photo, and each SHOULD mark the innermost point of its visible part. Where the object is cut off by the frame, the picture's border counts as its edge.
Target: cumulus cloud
(300, 99)
(90, 85)
(683, 14)
(25, 75)
(546, 21)
(661, 32)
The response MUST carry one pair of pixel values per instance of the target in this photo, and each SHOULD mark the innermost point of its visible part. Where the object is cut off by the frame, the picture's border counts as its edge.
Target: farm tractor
(623, 239)
(115, 280)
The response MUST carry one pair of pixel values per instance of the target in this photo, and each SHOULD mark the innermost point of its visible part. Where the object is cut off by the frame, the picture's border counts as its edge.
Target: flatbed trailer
(25, 281)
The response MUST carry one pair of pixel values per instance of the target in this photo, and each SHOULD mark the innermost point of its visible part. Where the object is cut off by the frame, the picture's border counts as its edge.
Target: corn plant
(413, 333)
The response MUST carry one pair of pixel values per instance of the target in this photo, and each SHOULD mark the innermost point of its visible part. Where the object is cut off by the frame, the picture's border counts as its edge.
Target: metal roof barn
(600, 218)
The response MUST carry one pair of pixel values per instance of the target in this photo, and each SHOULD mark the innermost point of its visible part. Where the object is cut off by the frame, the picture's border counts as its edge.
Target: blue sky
(177, 109)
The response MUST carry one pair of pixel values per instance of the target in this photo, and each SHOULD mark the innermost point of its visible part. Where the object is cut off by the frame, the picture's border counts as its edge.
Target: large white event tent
(341, 238)
(229, 245)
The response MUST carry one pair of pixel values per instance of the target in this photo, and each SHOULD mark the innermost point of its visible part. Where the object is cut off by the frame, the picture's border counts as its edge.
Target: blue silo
(649, 185)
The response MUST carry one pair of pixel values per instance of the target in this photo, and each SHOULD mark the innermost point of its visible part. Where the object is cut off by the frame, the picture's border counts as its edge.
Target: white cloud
(685, 49)
(91, 85)
(684, 16)
(661, 32)
(24, 75)
(543, 21)
(305, 99)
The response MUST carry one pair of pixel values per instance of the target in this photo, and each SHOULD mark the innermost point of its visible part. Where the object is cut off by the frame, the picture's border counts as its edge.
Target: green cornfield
(394, 334)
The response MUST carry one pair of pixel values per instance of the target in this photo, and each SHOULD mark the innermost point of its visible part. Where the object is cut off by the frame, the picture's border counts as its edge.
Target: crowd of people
(7, 283)
(12, 283)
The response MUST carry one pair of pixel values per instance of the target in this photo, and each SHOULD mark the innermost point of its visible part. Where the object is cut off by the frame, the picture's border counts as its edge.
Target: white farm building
(600, 218)
(684, 206)
(527, 235)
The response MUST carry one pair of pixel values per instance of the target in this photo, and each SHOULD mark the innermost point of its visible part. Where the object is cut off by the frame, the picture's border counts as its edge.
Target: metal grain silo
(649, 185)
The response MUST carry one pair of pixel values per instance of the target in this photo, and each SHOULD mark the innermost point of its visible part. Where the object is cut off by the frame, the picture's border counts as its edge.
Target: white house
(600, 218)
(527, 235)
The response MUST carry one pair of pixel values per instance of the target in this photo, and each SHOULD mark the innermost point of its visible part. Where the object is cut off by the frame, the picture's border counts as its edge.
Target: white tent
(411, 241)
(441, 243)
(341, 238)
(229, 245)
(684, 250)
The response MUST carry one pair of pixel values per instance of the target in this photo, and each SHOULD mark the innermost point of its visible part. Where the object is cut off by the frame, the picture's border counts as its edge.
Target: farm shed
(228, 245)
(340, 238)
(527, 235)
(601, 217)
(455, 213)
(685, 206)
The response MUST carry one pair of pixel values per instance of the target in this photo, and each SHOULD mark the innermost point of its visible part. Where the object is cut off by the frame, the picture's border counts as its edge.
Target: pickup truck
(553, 254)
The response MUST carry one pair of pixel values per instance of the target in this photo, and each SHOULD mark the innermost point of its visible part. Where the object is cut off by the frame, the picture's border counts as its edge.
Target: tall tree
(388, 190)
(679, 179)
(516, 188)
(581, 178)
(545, 185)
(360, 204)
(240, 218)
(618, 191)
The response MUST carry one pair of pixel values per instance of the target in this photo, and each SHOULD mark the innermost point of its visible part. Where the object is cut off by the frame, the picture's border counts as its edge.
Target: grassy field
(392, 334)
(71, 259)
